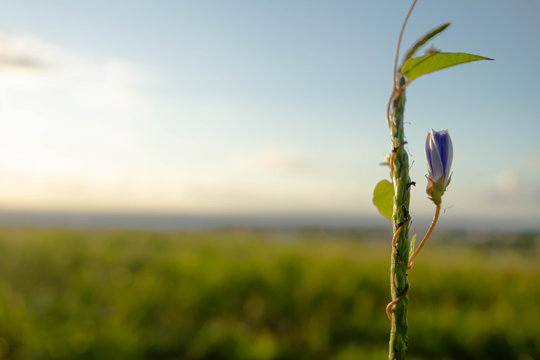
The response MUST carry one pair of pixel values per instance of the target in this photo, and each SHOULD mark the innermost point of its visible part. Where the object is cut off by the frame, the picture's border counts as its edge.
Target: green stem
(400, 252)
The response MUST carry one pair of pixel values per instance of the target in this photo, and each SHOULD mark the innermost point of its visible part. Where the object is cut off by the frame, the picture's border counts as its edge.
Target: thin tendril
(399, 42)
(388, 108)
(394, 239)
(430, 230)
(398, 299)
(392, 163)
(395, 88)
(394, 302)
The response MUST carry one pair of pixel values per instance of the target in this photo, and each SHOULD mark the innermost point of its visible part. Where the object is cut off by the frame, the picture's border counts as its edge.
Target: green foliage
(418, 66)
(413, 244)
(383, 198)
(424, 39)
(259, 295)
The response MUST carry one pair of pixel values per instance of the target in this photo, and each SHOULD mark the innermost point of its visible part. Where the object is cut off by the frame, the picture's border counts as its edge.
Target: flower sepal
(436, 189)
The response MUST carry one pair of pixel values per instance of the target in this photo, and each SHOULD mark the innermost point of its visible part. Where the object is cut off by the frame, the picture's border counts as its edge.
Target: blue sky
(258, 106)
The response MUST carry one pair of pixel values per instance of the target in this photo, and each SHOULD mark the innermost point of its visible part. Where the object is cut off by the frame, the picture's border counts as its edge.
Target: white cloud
(66, 119)
(278, 159)
(30, 66)
(25, 54)
(508, 182)
(513, 189)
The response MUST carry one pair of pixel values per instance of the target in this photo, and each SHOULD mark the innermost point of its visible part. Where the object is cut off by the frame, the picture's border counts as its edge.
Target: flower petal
(449, 158)
(441, 139)
(437, 169)
(428, 156)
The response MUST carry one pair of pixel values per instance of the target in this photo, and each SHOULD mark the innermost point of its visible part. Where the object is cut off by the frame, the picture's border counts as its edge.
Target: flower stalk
(428, 234)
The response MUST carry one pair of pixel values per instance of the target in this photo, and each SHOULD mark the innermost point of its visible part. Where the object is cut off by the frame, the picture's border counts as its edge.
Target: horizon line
(167, 220)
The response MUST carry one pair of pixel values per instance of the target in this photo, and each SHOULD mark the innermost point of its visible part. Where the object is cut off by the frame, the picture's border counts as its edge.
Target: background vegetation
(246, 294)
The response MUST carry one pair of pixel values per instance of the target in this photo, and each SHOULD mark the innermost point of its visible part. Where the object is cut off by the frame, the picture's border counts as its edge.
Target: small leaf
(424, 39)
(415, 67)
(383, 198)
(413, 240)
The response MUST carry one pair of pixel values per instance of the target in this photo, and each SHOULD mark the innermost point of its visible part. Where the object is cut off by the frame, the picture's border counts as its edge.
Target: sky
(260, 107)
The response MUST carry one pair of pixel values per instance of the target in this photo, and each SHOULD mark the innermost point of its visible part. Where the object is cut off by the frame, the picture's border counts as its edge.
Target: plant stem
(430, 230)
(400, 252)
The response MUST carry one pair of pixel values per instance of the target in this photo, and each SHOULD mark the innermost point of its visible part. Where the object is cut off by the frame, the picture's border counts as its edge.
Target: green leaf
(383, 198)
(415, 67)
(424, 39)
(413, 240)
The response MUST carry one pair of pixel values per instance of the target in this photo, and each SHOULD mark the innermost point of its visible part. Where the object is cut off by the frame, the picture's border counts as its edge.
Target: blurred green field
(246, 294)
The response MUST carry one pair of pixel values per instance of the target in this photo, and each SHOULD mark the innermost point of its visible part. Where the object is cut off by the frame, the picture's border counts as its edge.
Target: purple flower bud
(439, 153)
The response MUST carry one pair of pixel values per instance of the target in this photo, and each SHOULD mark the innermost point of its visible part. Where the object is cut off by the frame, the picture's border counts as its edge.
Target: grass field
(246, 294)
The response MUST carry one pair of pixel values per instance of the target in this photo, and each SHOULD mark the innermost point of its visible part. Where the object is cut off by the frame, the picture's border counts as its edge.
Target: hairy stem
(400, 220)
